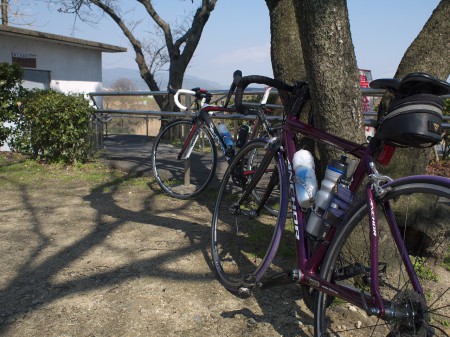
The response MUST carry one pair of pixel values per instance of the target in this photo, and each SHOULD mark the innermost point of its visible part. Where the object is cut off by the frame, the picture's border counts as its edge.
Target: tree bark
(4, 5)
(286, 49)
(429, 52)
(331, 70)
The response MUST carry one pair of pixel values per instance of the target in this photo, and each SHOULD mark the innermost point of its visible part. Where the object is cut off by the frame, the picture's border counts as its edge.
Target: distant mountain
(110, 76)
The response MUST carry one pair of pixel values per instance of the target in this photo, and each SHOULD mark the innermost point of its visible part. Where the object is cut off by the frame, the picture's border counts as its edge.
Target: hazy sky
(237, 35)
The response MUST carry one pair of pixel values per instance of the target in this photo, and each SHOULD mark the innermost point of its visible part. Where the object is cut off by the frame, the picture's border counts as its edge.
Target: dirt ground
(118, 258)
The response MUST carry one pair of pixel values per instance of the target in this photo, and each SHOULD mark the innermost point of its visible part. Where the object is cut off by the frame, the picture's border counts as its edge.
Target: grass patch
(15, 168)
(421, 270)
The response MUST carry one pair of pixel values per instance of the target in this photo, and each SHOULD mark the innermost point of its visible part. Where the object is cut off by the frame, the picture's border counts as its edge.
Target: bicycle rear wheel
(421, 210)
(244, 239)
(188, 176)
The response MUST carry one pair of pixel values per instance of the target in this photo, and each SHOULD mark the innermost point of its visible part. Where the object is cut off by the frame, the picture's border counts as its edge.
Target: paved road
(131, 153)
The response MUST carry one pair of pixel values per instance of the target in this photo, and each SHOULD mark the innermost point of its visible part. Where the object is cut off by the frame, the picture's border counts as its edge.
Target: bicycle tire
(240, 242)
(428, 217)
(169, 171)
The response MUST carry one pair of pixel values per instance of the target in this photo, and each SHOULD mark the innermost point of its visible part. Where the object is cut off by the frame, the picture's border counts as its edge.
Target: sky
(237, 35)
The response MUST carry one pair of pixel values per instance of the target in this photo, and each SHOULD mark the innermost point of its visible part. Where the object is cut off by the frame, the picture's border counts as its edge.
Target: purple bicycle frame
(308, 265)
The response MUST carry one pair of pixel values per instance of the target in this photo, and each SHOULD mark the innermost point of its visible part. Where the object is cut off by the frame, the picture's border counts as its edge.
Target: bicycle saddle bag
(414, 116)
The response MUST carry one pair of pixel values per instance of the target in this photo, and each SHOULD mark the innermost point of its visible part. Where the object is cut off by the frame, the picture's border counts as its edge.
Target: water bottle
(305, 178)
(226, 135)
(323, 197)
(341, 200)
(243, 135)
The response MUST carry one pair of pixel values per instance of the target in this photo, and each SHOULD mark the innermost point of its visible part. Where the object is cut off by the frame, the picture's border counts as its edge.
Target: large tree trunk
(286, 52)
(428, 53)
(331, 69)
(286, 49)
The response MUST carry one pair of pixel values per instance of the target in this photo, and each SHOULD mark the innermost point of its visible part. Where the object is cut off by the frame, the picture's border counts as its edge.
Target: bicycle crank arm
(283, 278)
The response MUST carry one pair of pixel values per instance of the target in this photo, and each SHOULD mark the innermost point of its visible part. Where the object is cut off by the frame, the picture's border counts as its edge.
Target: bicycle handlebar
(246, 80)
(177, 94)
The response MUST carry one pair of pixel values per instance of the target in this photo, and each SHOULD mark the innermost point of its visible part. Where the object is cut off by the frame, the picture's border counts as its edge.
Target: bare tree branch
(177, 53)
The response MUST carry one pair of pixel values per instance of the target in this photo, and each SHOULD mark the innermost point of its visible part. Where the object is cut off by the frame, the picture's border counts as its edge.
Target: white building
(53, 61)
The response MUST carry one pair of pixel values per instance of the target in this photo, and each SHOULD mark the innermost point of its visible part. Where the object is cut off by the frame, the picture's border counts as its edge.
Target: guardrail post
(187, 162)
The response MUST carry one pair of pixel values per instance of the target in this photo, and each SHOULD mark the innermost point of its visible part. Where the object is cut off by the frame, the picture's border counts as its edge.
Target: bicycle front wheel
(419, 208)
(244, 236)
(183, 160)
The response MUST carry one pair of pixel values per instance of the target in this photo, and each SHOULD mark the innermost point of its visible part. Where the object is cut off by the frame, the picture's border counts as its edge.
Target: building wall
(60, 67)
(72, 69)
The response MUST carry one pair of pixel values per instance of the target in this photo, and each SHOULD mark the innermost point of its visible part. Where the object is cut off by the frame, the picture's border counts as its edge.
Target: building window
(24, 60)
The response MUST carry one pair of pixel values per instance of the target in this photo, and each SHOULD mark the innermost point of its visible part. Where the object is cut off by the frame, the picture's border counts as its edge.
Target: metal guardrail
(147, 114)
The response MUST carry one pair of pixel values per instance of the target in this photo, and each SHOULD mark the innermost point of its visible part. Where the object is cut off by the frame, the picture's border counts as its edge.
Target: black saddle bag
(414, 121)
(414, 116)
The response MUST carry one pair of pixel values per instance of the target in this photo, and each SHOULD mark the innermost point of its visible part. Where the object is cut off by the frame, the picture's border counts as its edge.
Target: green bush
(10, 92)
(53, 127)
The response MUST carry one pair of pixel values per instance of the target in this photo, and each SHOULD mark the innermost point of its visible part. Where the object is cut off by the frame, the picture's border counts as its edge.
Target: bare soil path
(93, 252)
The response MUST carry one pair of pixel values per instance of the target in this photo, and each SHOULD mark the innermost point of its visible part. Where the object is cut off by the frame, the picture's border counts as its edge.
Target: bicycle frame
(308, 260)
(203, 117)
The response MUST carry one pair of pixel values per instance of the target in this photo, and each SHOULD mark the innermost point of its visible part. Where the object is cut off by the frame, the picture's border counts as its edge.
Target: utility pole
(4, 12)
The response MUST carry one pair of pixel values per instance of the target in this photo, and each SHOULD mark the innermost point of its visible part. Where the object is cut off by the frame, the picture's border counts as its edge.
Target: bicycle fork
(380, 308)
(190, 142)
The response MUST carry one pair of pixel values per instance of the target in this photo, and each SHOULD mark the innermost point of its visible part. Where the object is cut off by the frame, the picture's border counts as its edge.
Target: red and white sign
(365, 77)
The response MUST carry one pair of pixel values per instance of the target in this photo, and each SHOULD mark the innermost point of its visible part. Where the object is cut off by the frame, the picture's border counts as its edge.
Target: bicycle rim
(183, 178)
(422, 213)
(241, 239)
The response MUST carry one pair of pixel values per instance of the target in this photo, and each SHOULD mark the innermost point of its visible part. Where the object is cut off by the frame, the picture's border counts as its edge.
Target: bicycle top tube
(293, 124)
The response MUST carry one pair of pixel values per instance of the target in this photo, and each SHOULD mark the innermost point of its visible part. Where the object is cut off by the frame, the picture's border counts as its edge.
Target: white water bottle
(323, 197)
(226, 135)
(305, 178)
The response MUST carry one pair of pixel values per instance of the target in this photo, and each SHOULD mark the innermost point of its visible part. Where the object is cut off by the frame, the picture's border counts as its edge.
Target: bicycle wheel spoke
(241, 235)
(187, 175)
(424, 229)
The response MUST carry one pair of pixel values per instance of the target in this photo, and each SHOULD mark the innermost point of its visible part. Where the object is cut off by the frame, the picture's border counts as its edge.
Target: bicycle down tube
(204, 118)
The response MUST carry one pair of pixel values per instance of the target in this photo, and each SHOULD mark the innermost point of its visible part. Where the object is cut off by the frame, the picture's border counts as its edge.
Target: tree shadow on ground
(34, 286)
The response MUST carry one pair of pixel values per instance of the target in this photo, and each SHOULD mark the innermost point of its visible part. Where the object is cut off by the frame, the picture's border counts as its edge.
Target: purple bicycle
(377, 262)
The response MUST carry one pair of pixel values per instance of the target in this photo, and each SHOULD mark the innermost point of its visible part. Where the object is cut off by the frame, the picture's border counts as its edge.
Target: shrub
(10, 92)
(53, 127)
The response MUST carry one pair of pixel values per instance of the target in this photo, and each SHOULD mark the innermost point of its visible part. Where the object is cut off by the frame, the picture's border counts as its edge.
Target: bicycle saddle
(413, 83)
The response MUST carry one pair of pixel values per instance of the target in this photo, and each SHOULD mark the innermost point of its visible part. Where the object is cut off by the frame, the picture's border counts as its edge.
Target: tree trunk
(286, 48)
(286, 52)
(428, 53)
(331, 69)
(4, 5)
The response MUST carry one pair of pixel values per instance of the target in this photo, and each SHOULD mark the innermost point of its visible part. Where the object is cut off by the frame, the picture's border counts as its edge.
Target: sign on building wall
(24, 60)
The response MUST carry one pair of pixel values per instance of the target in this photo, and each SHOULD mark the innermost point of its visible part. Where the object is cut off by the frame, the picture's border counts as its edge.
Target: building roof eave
(32, 34)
